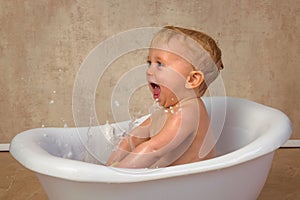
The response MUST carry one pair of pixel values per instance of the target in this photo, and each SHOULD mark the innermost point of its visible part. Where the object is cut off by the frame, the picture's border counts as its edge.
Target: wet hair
(205, 41)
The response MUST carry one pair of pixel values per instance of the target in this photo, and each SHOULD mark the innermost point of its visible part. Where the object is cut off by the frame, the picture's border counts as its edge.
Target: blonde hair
(204, 40)
(198, 45)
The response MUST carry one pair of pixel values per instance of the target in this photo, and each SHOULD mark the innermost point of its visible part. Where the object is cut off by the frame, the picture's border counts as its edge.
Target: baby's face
(166, 75)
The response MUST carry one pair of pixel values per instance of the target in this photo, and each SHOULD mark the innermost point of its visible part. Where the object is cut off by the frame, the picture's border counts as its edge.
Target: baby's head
(195, 47)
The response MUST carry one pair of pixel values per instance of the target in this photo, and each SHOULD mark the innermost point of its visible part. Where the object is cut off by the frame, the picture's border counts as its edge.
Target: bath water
(112, 134)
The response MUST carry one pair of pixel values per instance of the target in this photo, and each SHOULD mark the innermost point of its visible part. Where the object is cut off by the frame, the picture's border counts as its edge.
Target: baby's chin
(167, 102)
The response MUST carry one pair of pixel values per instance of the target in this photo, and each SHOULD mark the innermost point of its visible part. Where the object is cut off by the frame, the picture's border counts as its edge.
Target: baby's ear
(194, 79)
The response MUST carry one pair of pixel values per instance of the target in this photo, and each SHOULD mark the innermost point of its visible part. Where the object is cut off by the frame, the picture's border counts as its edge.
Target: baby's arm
(177, 129)
(137, 136)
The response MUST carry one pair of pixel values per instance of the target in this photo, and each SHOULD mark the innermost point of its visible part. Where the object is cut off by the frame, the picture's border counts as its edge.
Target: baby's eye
(159, 64)
(149, 63)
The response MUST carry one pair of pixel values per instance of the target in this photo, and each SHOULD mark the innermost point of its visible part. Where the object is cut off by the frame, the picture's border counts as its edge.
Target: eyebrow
(156, 58)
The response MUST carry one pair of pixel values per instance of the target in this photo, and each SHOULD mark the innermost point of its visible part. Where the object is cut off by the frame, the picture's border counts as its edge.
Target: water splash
(108, 131)
(155, 106)
(87, 155)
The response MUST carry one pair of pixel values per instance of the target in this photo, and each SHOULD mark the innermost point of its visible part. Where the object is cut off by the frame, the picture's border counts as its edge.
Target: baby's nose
(150, 70)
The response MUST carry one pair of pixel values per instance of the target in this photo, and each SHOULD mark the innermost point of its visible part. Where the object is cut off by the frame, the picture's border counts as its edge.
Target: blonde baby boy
(182, 64)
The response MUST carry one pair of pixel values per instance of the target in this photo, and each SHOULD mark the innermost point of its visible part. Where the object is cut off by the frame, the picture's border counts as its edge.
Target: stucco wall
(43, 43)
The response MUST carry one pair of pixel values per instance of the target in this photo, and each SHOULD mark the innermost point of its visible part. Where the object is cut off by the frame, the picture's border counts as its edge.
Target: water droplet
(117, 103)
(69, 154)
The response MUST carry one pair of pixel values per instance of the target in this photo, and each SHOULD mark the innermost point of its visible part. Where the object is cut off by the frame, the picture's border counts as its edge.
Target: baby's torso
(189, 150)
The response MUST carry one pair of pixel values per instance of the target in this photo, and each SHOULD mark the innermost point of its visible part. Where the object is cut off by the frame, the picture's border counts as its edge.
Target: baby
(182, 64)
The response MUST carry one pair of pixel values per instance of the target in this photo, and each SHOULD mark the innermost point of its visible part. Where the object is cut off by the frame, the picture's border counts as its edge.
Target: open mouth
(156, 90)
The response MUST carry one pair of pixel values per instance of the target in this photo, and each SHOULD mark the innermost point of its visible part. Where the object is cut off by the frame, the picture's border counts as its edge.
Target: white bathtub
(250, 135)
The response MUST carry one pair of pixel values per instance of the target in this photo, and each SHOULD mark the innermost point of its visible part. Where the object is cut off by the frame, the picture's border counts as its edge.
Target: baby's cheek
(172, 80)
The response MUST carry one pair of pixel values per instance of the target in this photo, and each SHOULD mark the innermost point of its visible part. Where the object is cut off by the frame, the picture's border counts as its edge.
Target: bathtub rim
(33, 157)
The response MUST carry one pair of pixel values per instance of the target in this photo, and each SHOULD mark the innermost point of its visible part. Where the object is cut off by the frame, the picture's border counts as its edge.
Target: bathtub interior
(236, 123)
(88, 144)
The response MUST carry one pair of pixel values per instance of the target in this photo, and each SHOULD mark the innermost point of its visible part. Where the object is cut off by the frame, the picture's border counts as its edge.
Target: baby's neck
(179, 104)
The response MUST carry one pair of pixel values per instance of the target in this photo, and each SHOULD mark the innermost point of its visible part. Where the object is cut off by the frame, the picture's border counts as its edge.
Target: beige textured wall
(43, 43)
